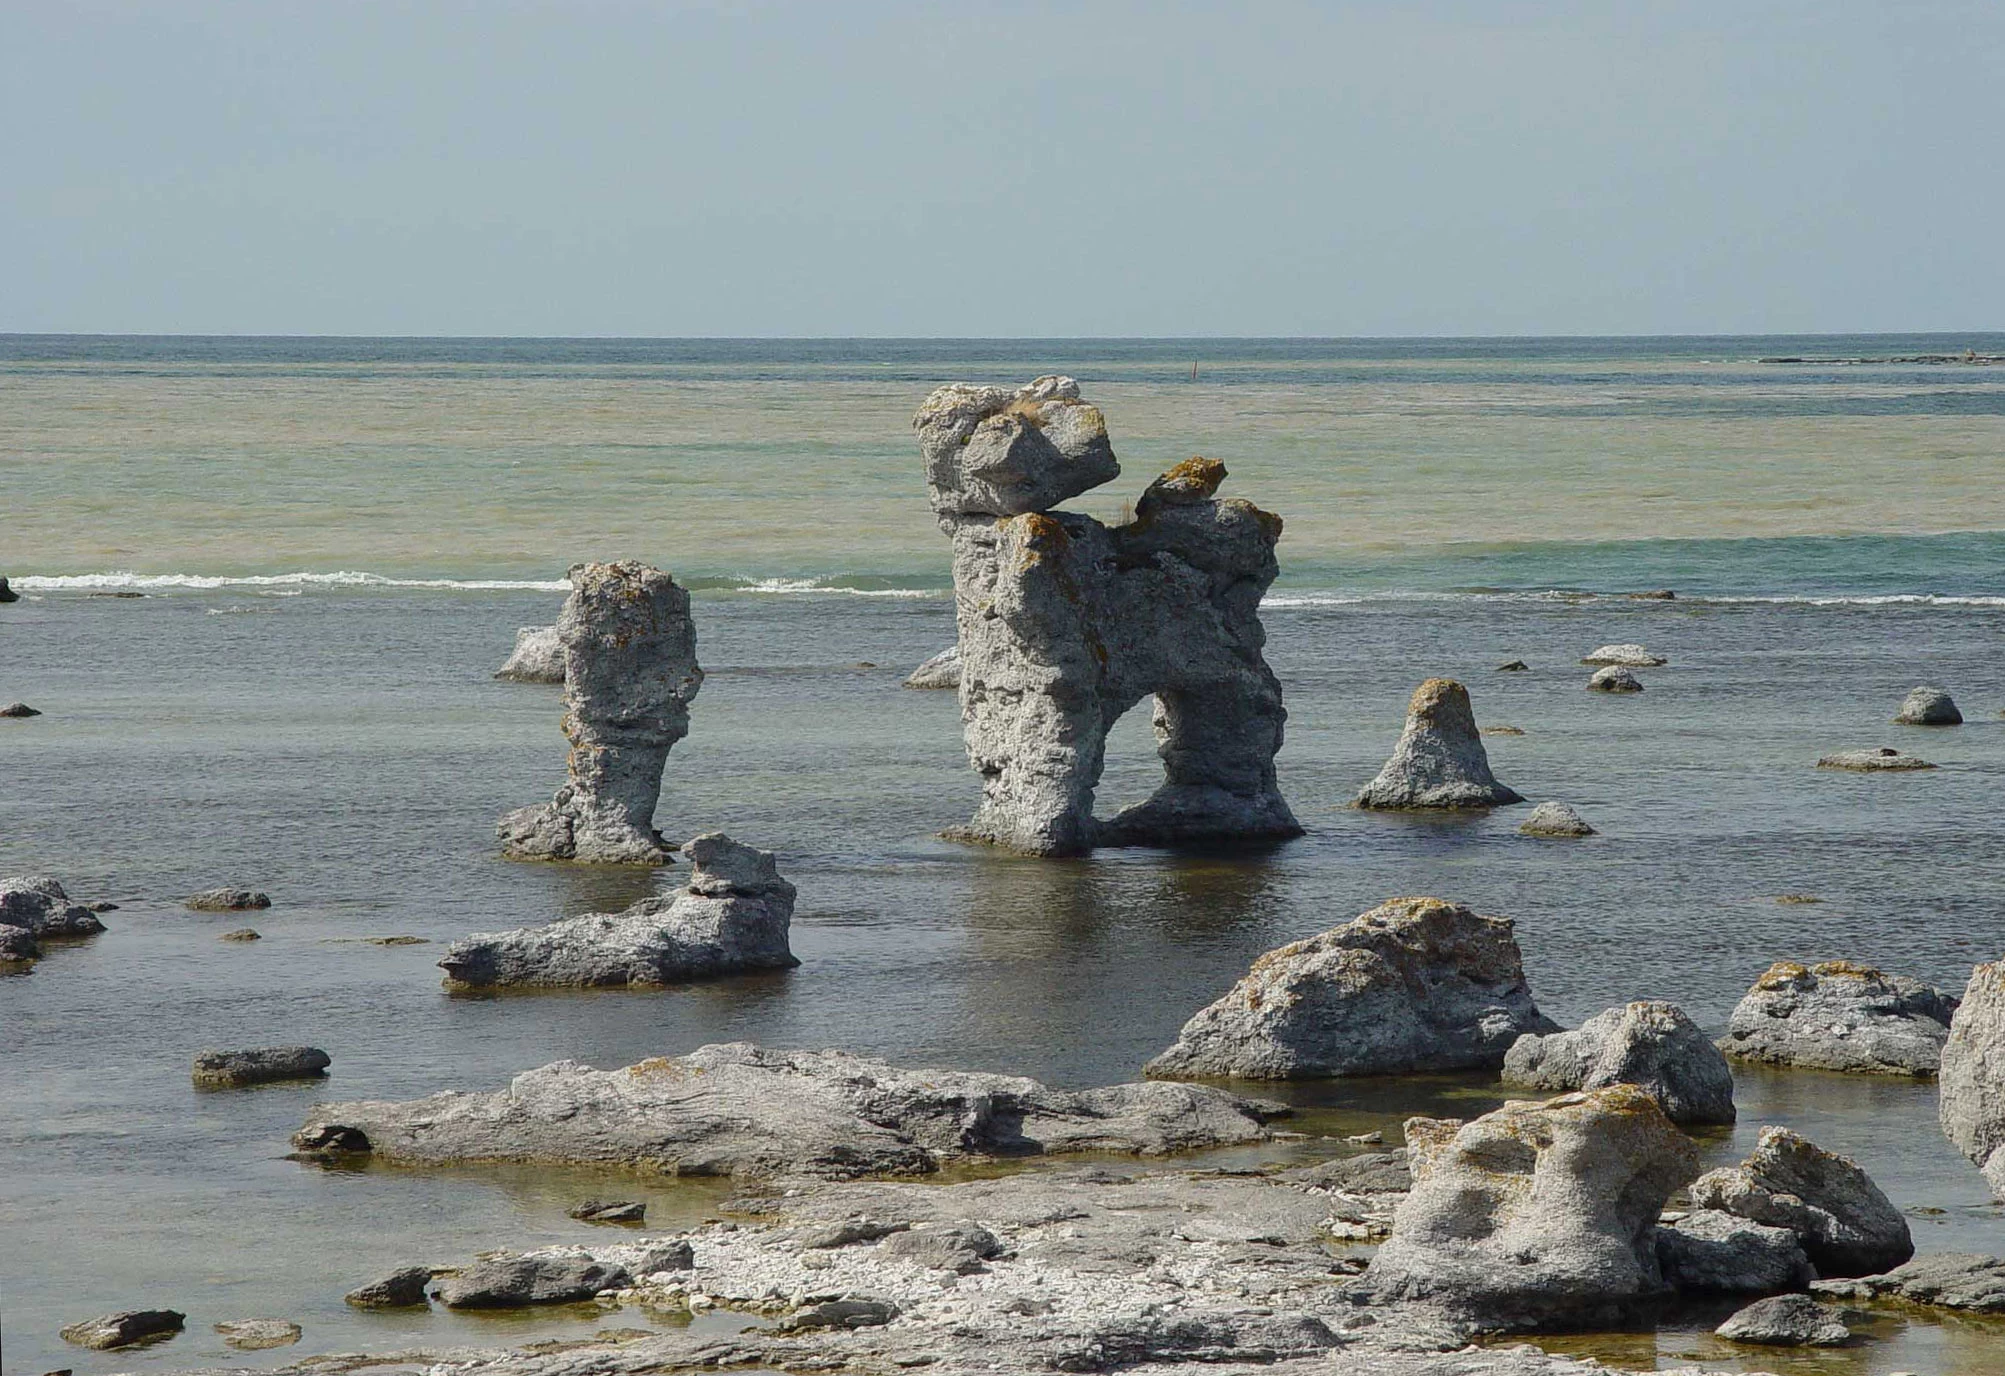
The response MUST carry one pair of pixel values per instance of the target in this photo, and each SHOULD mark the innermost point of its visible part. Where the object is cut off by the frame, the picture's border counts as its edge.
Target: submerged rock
(1515, 666)
(1884, 757)
(1710, 1250)
(742, 1110)
(512, 1282)
(242, 934)
(255, 1335)
(629, 674)
(732, 916)
(1651, 1045)
(19, 709)
(1416, 984)
(1839, 1015)
(1613, 679)
(538, 657)
(260, 1066)
(1065, 624)
(1786, 1321)
(941, 671)
(402, 1289)
(1972, 1108)
(1927, 706)
(1555, 819)
(1439, 761)
(1536, 1215)
(227, 901)
(1846, 1226)
(1633, 656)
(1946, 1280)
(126, 1327)
(37, 904)
(611, 1211)
(18, 945)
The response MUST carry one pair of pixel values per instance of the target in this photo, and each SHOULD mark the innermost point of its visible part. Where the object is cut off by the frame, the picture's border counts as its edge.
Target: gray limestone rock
(1538, 1214)
(1839, 1015)
(629, 674)
(242, 934)
(255, 1335)
(941, 671)
(1867, 761)
(741, 1110)
(18, 945)
(1847, 1227)
(1713, 1251)
(402, 1289)
(1417, 984)
(732, 916)
(1555, 819)
(19, 710)
(1946, 1280)
(1632, 656)
(1972, 1078)
(37, 904)
(124, 1328)
(227, 901)
(538, 657)
(231, 1069)
(611, 1211)
(1065, 624)
(1651, 1045)
(510, 1282)
(1613, 679)
(960, 1247)
(1786, 1321)
(1439, 761)
(1927, 706)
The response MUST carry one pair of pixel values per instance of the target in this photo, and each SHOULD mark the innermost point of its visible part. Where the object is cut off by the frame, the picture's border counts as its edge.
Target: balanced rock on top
(1439, 761)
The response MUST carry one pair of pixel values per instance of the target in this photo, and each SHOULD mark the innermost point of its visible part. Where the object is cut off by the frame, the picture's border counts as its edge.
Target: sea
(265, 584)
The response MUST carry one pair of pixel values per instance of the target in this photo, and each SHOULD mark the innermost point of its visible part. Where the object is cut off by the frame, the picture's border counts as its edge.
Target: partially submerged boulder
(1840, 1015)
(1613, 679)
(741, 1110)
(611, 1211)
(1847, 1227)
(1416, 984)
(538, 657)
(18, 946)
(1555, 819)
(1786, 1321)
(1652, 1045)
(1710, 1250)
(37, 904)
(1926, 706)
(1630, 655)
(19, 710)
(941, 671)
(1867, 761)
(732, 916)
(1538, 1214)
(1972, 1108)
(629, 674)
(262, 1065)
(125, 1328)
(1439, 761)
(510, 1282)
(401, 1289)
(256, 1335)
(227, 900)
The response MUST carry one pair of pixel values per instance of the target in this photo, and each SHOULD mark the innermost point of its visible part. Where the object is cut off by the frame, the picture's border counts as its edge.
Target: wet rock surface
(1065, 624)
(941, 671)
(1614, 679)
(37, 904)
(18, 945)
(512, 1282)
(227, 900)
(256, 1335)
(1649, 1044)
(1710, 1250)
(1972, 1103)
(1555, 819)
(260, 1065)
(19, 710)
(1840, 1015)
(732, 915)
(538, 657)
(1786, 1321)
(1845, 1225)
(1439, 761)
(741, 1110)
(610, 1211)
(1626, 655)
(1415, 984)
(1926, 706)
(1947, 1280)
(124, 1328)
(400, 1289)
(629, 674)
(1883, 757)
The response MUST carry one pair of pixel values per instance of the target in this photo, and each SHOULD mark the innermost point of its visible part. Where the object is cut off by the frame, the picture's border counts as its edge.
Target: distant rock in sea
(1613, 679)
(7, 594)
(233, 1069)
(227, 900)
(1555, 819)
(1439, 761)
(19, 709)
(941, 671)
(1632, 656)
(538, 657)
(1884, 757)
(1926, 706)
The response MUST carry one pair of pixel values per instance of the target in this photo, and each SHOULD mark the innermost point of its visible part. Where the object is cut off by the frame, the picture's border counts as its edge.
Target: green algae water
(337, 539)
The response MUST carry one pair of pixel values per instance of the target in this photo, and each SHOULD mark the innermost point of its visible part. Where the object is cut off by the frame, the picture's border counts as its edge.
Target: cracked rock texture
(629, 674)
(733, 915)
(1416, 984)
(1650, 1044)
(1972, 1079)
(538, 656)
(37, 905)
(741, 1110)
(1840, 1015)
(1846, 1226)
(1066, 623)
(1927, 706)
(1439, 761)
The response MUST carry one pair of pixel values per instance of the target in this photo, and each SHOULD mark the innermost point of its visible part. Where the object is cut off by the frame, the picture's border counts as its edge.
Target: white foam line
(344, 578)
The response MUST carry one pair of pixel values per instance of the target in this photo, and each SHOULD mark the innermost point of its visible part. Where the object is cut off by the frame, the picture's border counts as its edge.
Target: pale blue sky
(862, 168)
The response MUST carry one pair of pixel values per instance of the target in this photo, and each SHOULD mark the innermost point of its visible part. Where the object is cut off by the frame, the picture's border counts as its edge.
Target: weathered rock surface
(260, 1065)
(37, 904)
(1947, 1280)
(1555, 819)
(1065, 624)
(733, 915)
(227, 900)
(242, 934)
(1883, 757)
(1651, 1045)
(741, 1110)
(511, 1282)
(18, 945)
(401, 1289)
(1972, 1107)
(538, 657)
(1632, 656)
(611, 1211)
(1786, 1321)
(941, 671)
(124, 1328)
(1927, 706)
(1714, 1251)
(1613, 679)
(1839, 1015)
(1846, 1225)
(19, 710)
(255, 1335)
(1536, 1214)
(1414, 984)
(1439, 761)
(629, 674)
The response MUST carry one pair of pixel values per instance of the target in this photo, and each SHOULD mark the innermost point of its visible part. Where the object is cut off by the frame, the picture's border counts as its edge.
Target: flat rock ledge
(1649, 1044)
(1967, 1281)
(1439, 761)
(262, 1065)
(1883, 757)
(227, 901)
(1840, 1015)
(1926, 706)
(1417, 984)
(125, 1328)
(941, 671)
(1556, 820)
(742, 1110)
(732, 916)
(538, 657)
(1630, 656)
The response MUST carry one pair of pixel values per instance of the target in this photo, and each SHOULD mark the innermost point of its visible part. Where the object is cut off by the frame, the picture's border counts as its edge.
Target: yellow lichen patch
(1784, 974)
(1270, 524)
(1029, 410)
(1844, 969)
(1195, 474)
(658, 1067)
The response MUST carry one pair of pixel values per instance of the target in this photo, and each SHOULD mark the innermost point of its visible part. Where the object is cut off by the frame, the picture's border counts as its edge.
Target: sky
(857, 168)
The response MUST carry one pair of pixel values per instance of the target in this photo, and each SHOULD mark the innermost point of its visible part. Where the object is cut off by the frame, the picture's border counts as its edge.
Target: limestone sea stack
(629, 673)
(538, 657)
(1649, 1044)
(1417, 984)
(1972, 1079)
(742, 1110)
(1065, 624)
(941, 671)
(1439, 761)
(1840, 1015)
(1926, 706)
(732, 916)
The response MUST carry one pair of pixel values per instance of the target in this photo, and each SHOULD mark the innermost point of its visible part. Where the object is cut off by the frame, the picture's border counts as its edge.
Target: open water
(337, 540)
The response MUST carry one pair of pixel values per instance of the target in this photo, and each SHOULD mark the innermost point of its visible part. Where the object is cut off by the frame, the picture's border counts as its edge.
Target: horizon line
(991, 339)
